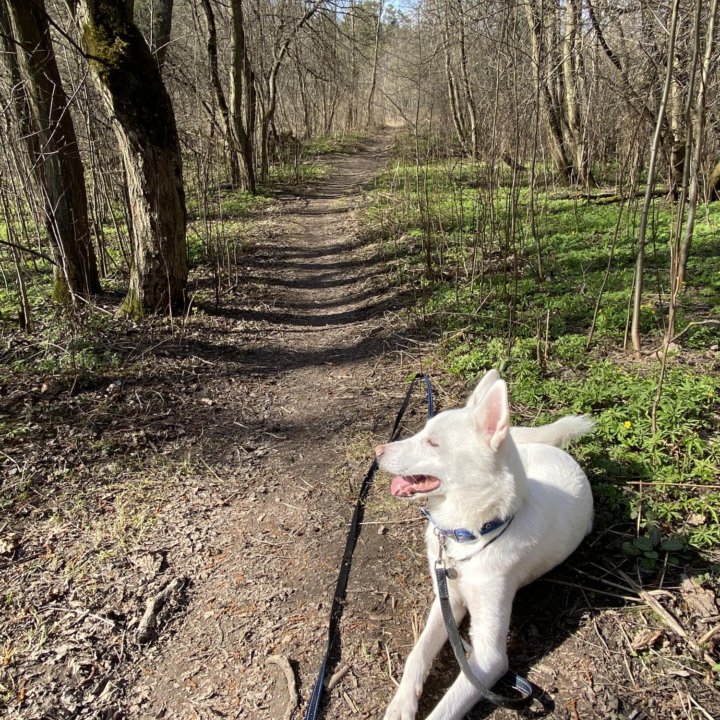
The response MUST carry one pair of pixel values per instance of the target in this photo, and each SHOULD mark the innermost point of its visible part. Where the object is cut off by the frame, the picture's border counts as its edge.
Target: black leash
(353, 534)
(510, 680)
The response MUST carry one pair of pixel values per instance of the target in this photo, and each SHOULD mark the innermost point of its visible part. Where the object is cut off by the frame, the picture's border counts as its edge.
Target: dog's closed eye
(431, 442)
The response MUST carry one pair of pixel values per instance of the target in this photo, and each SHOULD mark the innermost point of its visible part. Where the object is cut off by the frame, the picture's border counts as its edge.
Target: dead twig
(353, 707)
(389, 662)
(80, 613)
(708, 635)
(700, 708)
(555, 581)
(689, 326)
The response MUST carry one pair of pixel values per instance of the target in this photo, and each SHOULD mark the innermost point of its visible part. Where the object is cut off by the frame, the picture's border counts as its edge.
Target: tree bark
(678, 109)
(376, 56)
(50, 140)
(352, 101)
(654, 152)
(458, 120)
(713, 183)
(467, 88)
(699, 137)
(572, 71)
(219, 93)
(270, 84)
(559, 63)
(160, 29)
(676, 123)
(540, 45)
(242, 97)
(129, 82)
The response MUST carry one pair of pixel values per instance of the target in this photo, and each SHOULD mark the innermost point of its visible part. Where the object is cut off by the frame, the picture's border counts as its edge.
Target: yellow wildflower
(627, 424)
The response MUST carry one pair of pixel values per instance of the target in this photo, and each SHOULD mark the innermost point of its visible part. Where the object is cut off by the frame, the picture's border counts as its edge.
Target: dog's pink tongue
(400, 486)
(408, 485)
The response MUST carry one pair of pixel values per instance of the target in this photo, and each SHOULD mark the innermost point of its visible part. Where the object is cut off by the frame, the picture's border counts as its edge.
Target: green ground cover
(514, 281)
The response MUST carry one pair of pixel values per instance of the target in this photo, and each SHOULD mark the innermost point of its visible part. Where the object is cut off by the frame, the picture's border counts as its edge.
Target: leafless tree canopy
(124, 109)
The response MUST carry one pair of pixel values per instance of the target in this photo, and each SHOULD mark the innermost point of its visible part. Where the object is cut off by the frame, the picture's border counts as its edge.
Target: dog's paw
(403, 706)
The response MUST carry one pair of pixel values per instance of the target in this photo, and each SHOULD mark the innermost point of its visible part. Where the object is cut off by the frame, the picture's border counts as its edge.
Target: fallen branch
(350, 703)
(147, 629)
(284, 665)
(682, 333)
(709, 635)
(337, 677)
(665, 615)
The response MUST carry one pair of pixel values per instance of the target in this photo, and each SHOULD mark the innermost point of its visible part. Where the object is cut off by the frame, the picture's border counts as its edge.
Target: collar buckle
(461, 535)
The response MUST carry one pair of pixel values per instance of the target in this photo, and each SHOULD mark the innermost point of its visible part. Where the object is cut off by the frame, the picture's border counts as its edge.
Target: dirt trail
(307, 367)
(227, 450)
(328, 374)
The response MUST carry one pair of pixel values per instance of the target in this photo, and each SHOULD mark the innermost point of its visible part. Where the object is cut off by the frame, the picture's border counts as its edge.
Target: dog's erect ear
(492, 416)
(478, 394)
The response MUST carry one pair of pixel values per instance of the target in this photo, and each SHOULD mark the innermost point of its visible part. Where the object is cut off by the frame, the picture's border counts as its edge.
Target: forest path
(226, 448)
(318, 374)
(299, 373)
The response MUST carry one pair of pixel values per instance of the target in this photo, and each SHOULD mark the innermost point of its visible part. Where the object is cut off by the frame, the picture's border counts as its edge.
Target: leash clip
(441, 545)
(440, 564)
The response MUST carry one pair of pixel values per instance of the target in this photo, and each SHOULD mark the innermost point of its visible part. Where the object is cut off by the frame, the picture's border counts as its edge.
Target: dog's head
(457, 450)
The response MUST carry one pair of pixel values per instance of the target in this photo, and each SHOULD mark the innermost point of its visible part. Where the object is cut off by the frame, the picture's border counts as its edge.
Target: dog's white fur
(486, 471)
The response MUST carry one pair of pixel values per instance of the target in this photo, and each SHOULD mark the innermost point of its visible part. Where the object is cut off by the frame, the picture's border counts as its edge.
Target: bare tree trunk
(129, 82)
(242, 96)
(160, 29)
(25, 311)
(692, 151)
(376, 54)
(713, 183)
(654, 152)
(352, 110)
(539, 46)
(677, 117)
(270, 89)
(572, 71)
(457, 117)
(699, 136)
(219, 93)
(308, 128)
(559, 63)
(42, 109)
(18, 91)
(467, 88)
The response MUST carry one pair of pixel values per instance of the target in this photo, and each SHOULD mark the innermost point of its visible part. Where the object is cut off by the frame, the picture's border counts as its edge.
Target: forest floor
(224, 456)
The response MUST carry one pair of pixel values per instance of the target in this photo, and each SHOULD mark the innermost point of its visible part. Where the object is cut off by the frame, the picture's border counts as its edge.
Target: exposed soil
(226, 455)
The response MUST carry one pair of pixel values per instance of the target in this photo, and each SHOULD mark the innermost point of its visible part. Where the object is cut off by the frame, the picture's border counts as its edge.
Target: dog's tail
(559, 433)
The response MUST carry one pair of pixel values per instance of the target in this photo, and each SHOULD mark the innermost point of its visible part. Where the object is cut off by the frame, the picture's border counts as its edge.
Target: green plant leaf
(672, 544)
(643, 544)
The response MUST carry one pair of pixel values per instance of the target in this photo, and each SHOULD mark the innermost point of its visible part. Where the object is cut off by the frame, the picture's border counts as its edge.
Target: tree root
(284, 665)
(147, 629)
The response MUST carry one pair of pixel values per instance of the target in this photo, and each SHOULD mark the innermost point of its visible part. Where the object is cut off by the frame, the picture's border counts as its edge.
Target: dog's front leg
(404, 704)
(490, 604)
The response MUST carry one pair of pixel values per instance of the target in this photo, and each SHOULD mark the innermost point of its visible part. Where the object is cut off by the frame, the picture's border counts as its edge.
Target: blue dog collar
(462, 535)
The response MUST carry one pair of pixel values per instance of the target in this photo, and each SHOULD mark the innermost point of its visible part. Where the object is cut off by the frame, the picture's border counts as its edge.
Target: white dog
(483, 482)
